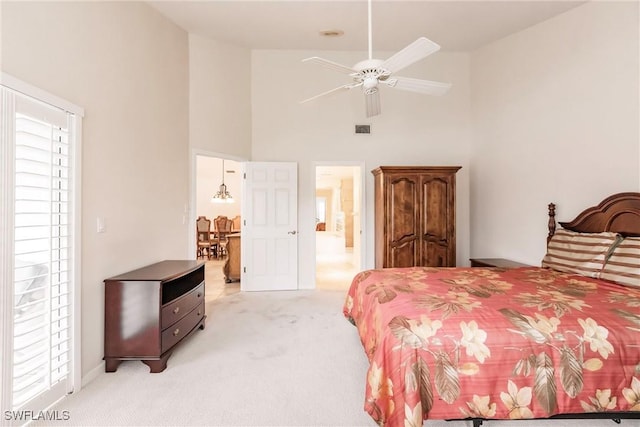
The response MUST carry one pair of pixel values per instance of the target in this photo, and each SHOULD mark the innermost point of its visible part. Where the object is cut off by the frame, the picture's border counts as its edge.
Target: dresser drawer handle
(176, 332)
(199, 313)
(199, 294)
(176, 310)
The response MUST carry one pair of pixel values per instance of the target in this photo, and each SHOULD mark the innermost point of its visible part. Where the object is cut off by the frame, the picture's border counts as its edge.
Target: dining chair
(236, 223)
(223, 228)
(205, 239)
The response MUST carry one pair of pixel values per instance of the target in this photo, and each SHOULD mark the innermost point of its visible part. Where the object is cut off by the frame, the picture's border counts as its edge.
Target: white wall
(126, 65)
(219, 97)
(555, 111)
(412, 130)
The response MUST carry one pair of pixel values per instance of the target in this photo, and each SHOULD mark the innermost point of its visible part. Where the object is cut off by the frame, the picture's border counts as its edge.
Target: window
(39, 251)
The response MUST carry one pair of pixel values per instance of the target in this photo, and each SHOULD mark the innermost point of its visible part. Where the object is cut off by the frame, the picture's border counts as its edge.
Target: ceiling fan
(371, 72)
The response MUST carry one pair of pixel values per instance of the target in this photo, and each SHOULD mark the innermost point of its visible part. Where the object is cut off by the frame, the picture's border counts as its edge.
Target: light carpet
(264, 359)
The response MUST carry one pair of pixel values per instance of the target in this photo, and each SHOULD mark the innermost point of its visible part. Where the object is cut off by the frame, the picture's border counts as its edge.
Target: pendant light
(222, 196)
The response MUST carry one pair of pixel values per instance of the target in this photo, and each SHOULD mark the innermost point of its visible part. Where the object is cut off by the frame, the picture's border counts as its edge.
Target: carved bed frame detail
(619, 213)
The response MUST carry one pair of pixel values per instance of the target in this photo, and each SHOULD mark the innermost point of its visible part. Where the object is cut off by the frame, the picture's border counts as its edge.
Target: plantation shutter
(39, 203)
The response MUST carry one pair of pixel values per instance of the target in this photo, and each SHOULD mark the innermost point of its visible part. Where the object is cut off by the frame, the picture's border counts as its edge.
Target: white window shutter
(39, 344)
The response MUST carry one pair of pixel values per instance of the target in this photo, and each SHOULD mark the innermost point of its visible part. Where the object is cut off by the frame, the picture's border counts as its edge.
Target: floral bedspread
(451, 343)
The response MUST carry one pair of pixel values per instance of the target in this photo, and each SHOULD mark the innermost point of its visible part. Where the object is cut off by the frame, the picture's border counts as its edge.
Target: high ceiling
(295, 24)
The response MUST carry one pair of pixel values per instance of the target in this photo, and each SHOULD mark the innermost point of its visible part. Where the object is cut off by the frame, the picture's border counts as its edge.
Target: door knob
(292, 232)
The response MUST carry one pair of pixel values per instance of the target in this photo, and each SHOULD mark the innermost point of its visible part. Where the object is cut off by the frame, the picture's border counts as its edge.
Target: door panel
(403, 193)
(269, 237)
(436, 222)
(404, 230)
(403, 255)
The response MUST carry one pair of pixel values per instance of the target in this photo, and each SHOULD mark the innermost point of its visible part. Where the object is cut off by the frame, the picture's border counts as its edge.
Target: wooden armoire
(415, 216)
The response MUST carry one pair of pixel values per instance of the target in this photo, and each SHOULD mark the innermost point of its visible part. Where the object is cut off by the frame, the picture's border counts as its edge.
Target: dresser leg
(159, 365)
(111, 365)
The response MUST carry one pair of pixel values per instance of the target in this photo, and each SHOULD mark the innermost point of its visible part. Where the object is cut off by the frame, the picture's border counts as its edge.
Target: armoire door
(404, 221)
(438, 221)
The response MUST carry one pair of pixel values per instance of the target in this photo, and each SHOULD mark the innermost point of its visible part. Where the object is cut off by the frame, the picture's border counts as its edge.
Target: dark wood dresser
(151, 310)
(415, 216)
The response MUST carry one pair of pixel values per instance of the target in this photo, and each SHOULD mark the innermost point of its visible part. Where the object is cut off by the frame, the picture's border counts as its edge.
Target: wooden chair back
(223, 228)
(204, 239)
(236, 223)
(203, 224)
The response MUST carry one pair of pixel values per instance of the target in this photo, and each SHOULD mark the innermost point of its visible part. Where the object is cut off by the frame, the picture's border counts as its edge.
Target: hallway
(335, 266)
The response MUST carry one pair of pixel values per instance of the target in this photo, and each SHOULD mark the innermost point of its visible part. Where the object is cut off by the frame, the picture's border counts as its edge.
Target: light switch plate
(101, 225)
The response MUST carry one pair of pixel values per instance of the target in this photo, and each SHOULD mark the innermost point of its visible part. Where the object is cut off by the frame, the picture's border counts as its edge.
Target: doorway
(210, 172)
(338, 224)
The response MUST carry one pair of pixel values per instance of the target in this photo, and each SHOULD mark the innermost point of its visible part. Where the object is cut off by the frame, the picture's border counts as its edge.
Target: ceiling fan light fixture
(370, 83)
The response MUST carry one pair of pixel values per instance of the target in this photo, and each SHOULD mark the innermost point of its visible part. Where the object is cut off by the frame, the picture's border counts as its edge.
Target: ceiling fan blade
(417, 50)
(330, 65)
(329, 92)
(372, 101)
(427, 87)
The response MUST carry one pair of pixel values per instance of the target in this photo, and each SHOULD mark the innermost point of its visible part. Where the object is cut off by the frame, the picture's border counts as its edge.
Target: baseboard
(93, 374)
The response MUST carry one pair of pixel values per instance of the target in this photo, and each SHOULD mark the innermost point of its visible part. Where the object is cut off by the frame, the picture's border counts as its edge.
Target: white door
(270, 226)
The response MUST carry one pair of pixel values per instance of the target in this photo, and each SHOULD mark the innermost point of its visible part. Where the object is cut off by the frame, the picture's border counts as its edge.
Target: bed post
(552, 221)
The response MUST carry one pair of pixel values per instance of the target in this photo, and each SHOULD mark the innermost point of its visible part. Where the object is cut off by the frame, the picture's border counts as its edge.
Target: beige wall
(127, 66)
(556, 119)
(219, 97)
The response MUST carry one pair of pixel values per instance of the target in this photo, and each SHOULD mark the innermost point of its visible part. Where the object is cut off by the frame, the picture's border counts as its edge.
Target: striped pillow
(579, 253)
(624, 264)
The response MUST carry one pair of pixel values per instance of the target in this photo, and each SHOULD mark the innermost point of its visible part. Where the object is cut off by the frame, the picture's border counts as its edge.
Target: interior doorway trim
(190, 209)
(363, 210)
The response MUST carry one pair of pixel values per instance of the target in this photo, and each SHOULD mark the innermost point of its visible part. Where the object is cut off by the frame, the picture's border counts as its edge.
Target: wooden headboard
(619, 213)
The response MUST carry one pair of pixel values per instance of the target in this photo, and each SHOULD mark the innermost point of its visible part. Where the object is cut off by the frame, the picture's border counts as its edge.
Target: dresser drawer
(176, 332)
(178, 308)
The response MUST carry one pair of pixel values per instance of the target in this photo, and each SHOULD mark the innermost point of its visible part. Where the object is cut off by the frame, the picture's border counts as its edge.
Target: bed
(530, 342)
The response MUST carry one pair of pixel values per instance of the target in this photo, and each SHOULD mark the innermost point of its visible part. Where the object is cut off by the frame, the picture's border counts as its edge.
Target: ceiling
(296, 24)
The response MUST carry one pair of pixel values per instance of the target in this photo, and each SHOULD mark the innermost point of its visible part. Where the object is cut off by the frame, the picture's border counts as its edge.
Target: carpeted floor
(268, 358)
(264, 359)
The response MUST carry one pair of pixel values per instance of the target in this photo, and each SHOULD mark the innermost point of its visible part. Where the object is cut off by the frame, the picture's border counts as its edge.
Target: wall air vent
(363, 128)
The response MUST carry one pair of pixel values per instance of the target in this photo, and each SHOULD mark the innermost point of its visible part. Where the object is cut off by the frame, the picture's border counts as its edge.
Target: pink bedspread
(451, 343)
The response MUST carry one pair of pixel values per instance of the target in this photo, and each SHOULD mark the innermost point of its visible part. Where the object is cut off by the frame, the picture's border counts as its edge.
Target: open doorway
(338, 225)
(215, 176)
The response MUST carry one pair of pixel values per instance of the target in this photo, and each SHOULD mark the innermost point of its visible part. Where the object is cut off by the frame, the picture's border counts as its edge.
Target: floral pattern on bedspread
(451, 343)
